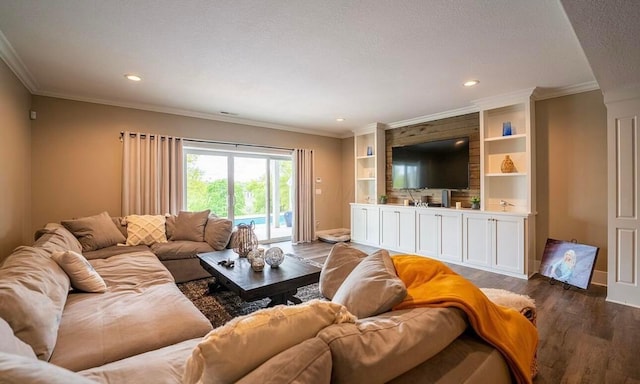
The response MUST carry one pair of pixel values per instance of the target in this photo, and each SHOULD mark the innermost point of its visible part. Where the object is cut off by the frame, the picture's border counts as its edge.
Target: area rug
(222, 306)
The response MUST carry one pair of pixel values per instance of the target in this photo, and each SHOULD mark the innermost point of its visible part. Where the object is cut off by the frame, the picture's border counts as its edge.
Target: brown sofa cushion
(218, 232)
(113, 250)
(95, 232)
(80, 272)
(373, 287)
(177, 250)
(54, 238)
(307, 362)
(11, 344)
(190, 226)
(33, 292)
(377, 349)
(16, 369)
(342, 259)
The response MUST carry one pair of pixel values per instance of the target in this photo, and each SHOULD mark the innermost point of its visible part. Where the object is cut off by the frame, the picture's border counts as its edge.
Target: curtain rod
(210, 141)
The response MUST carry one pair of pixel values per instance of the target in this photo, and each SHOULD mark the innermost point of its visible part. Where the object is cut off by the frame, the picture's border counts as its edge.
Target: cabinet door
(358, 224)
(389, 225)
(372, 230)
(477, 240)
(508, 244)
(450, 237)
(407, 231)
(428, 228)
(364, 224)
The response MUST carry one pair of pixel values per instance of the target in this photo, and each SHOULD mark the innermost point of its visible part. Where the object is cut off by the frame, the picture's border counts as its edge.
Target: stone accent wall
(449, 128)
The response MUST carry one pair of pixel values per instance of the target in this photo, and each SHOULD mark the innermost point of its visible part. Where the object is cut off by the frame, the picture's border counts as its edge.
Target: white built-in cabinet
(398, 228)
(493, 241)
(365, 224)
(438, 233)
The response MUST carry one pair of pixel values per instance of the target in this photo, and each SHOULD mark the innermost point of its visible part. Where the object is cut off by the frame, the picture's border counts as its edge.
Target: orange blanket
(430, 283)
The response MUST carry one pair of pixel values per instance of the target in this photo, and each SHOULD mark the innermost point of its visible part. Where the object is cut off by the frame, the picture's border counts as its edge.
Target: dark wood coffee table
(279, 284)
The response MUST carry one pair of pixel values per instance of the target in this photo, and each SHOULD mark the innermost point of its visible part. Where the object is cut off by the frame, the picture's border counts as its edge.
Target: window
(258, 182)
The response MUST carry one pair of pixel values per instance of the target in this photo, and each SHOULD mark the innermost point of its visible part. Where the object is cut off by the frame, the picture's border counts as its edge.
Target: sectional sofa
(139, 328)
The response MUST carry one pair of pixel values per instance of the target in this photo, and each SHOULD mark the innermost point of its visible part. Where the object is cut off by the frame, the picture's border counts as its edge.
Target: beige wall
(571, 185)
(15, 162)
(77, 156)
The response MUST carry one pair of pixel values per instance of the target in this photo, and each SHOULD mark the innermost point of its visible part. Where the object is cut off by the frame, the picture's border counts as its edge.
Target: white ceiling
(292, 64)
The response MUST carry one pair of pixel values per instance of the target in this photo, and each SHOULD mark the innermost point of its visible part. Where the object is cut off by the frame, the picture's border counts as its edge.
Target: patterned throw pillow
(146, 229)
(81, 273)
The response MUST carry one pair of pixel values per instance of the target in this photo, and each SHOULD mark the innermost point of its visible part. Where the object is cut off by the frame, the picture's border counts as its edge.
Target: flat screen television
(442, 164)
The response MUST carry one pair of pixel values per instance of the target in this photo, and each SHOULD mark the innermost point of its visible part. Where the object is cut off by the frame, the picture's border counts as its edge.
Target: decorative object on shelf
(245, 239)
(506, 128)
(369, 151)
(383, 199)
(257, 264)
(274, 257)
(507, 165)
(475, 202)
(504, 204)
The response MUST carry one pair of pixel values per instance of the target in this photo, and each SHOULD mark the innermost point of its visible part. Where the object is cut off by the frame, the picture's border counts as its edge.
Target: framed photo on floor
(568, 262)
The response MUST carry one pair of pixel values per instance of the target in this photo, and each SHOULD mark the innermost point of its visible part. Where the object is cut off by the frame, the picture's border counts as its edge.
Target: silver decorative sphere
(274, 257)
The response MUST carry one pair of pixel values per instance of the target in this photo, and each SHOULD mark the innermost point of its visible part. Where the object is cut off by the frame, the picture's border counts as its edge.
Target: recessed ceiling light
(340, 119)
(132, 77)
(471, 83)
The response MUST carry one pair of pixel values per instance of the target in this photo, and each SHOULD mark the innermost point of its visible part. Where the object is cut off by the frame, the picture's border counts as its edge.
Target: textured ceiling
(609, 33)
(292, 64)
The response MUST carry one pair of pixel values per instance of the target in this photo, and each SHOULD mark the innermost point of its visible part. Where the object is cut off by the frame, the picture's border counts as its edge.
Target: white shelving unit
(517, 188)
(369, 152)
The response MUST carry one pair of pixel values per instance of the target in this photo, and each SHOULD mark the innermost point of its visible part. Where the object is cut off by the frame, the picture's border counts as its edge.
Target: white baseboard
(599, 277)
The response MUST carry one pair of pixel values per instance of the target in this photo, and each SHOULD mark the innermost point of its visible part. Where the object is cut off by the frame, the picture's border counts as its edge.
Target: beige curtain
(152, 174)
(304, 216)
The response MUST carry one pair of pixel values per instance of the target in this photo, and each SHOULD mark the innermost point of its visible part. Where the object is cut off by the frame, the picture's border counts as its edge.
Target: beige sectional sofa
(199, 232)
(142, 329)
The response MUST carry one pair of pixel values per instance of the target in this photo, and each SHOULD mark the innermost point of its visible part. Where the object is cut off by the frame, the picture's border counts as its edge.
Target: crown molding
(10, 56)
(188, 113)
(622, 94)
(369, 128)
(550, 93)
(505, 98)
(433, 116)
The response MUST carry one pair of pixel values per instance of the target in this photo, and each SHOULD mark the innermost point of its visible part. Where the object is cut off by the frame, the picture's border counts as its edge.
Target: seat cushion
(97, 329)
(307, 362)
(467, 360)
(113, 250)
(160, 366)
(15, 369)
(379, 348)
(180, 249)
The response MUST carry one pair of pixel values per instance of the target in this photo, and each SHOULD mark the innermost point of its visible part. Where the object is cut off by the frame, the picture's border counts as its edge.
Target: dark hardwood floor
(583, 338)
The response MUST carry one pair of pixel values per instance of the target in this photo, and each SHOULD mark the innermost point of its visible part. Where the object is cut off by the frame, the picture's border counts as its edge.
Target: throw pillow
(218, 232)
(190, 226)
(146, 229)
(16, 369)
(341, 261)
(95, 232)
(229, 352)
(80, 272)
(373, 287)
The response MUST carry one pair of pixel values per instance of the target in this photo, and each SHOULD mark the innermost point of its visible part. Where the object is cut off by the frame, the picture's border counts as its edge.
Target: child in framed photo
(568, 262)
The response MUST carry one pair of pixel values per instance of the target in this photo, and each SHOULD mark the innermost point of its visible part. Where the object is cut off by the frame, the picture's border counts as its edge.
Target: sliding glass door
(244, 187)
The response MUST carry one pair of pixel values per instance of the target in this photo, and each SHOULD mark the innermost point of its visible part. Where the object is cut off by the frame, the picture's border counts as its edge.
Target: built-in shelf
(365, 157)
(369, 163)
(505, 174)
(510, 137)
